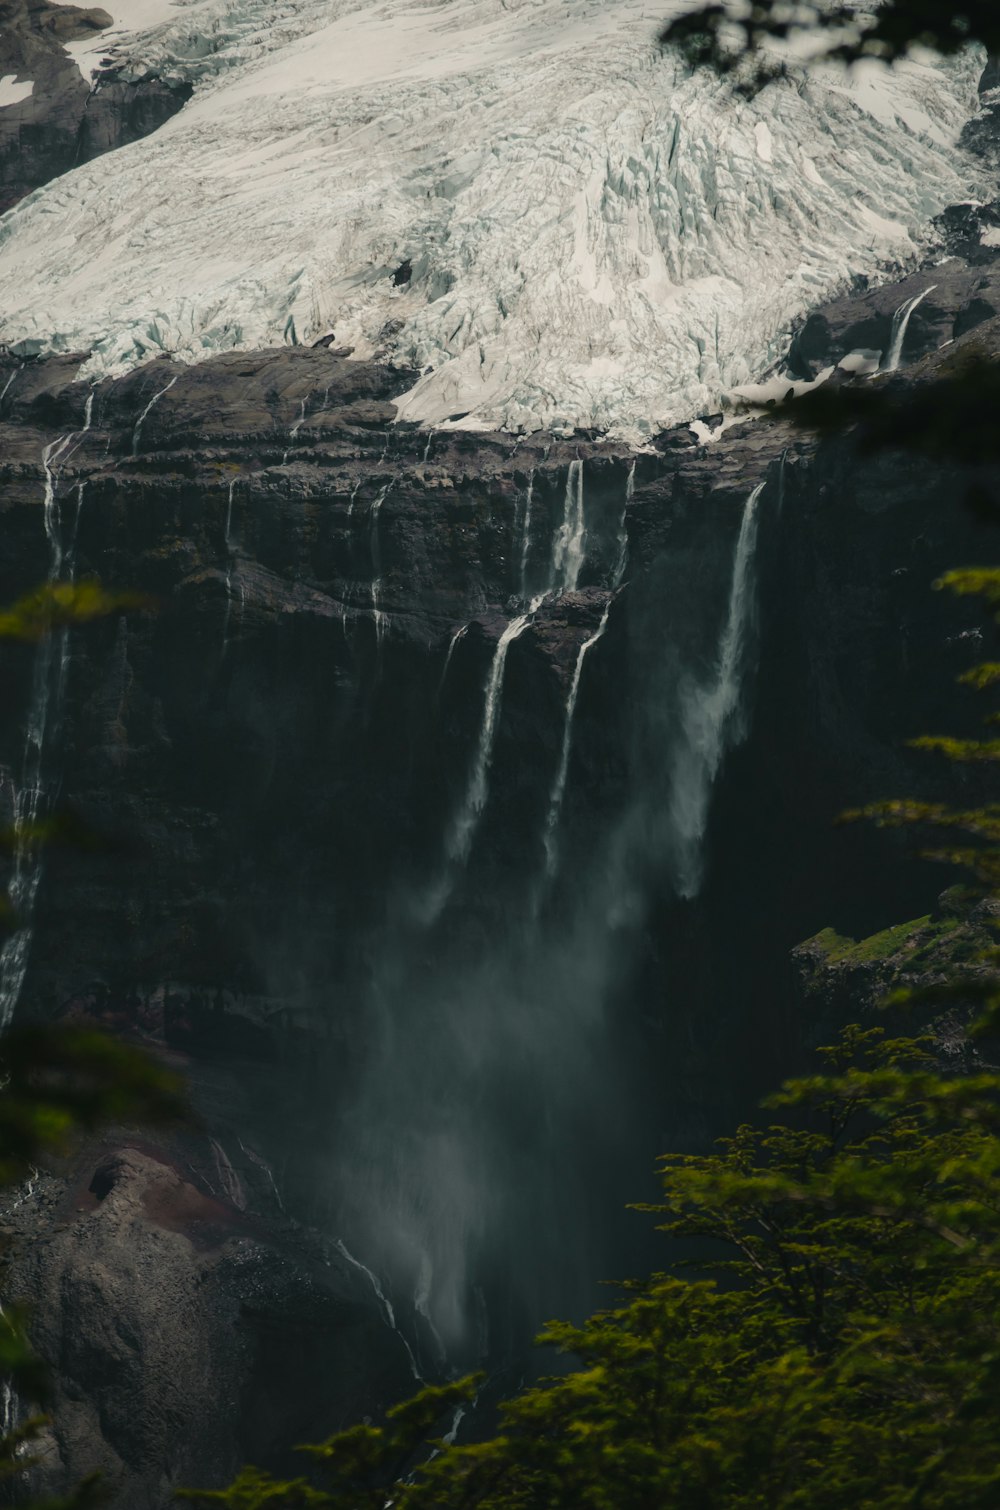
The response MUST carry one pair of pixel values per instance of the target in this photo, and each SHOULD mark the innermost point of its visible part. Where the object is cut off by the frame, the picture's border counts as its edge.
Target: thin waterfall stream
(44, 710)
(710, 711)
(136, 433)
(900, 325)
(558, 792)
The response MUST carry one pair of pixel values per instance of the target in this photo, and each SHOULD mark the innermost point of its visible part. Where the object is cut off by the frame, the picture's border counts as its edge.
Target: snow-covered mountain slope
(594, 237)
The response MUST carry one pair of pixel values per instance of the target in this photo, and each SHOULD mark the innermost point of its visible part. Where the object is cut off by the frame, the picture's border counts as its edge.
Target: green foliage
(59, 1081)
(737, 39)
(839, 1347)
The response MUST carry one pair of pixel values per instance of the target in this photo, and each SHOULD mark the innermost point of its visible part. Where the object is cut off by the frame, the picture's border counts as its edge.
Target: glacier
(524, 201)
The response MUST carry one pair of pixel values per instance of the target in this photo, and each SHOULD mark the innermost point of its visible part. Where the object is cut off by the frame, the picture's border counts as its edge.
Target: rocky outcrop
(190, 1327)
(66, 119)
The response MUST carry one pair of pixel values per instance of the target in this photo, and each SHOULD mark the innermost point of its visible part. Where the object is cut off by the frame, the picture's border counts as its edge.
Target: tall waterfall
(457, 634)
(710, 712)
(621, 559)
(381, 619)
(230, 556)
(900, 325)
(568, 556)
(470, 810)
(491, 1097)
(526, 534)
(570, 547)
(48, 685)
(551, 834)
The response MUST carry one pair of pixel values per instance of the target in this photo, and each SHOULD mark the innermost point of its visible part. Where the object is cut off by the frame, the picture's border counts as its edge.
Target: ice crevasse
(526, 201)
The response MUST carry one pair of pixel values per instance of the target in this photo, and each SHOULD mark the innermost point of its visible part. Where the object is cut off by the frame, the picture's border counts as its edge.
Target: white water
(422, 1306)
(139, 422)
(427, 448)
(229, 566)
(10, 1402)
(709, 713)
(551, 834)
(48, 685)
(381, 619)
(12, 375)
(621, 560)
(526, 535)
(466, 820)
(570, 546)
(385, 1304)
(459, 634)
(293, 432)
(900, 324)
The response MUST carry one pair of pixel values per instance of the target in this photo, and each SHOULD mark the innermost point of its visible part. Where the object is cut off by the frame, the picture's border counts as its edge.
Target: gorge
(473, 770)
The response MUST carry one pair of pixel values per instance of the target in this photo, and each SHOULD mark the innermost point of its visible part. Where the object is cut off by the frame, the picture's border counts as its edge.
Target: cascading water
(621, 559)
(710, 713)
(142, 417)
(466, 820)
(380, 618)
(47, 691)
(526, 532)
(494, 1077)
(459, 634)
(570, 547)
(230, 558)
(900, 325)
(384, 1303)
(550, 836)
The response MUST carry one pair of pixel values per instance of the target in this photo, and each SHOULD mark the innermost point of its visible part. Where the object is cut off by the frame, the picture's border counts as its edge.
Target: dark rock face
(157, 1297)
(282, 752)
(67, 120)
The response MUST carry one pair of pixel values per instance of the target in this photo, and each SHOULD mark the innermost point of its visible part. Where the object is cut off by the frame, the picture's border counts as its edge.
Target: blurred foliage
(58, 1082)
(58, 605)
(754, 41)
(841, 1347)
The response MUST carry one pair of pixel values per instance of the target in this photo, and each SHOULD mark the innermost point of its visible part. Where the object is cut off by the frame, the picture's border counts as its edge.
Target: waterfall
(568, 555)
(709, 713)
(526, 535)
(293, 432)
(427, 448)
(621, 559)
(48, 683)
(459, 634)
(466, 820)
(350, 501)
(10, 1404)
(10, 379)
(559, 782)
(570, 543)
(139, 422)
(385, 1304)
(381, 619)
(422, 1306)
(229, 565)
(900, 323)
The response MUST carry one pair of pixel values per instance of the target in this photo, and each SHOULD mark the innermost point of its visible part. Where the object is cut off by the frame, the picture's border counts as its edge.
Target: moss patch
(919, 936)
